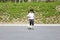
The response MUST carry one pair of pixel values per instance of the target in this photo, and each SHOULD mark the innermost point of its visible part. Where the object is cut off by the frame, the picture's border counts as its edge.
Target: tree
(37, 0)
(15, 1)
(29, 0)
(22, 0)
(19, 1)
(48, 0)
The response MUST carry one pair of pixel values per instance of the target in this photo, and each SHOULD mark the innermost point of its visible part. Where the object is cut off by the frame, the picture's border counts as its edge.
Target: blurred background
(15, 11)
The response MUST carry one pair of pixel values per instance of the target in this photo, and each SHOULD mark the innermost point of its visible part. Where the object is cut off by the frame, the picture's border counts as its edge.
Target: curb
(28, 25)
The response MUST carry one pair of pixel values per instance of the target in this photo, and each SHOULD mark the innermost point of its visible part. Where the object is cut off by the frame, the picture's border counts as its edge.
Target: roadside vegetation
(45, 12)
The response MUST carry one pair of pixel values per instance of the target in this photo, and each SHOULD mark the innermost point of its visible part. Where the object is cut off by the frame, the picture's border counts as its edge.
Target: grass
(42, 10)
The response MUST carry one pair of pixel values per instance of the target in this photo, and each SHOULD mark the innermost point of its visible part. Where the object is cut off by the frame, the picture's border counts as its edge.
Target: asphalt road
(22, 33)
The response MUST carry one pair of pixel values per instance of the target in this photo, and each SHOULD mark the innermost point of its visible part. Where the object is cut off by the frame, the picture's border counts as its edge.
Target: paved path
(22, 33)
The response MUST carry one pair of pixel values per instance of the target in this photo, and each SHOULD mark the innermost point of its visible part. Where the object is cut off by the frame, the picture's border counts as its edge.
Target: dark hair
(31, 10)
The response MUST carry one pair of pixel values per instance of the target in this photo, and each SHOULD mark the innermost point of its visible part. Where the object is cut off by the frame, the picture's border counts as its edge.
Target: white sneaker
(30, 27)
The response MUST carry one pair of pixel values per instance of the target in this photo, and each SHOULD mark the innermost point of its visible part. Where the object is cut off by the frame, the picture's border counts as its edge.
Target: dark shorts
(31, 21)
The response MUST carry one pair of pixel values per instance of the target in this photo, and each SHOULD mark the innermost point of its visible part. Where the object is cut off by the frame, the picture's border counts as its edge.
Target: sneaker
(30, 28)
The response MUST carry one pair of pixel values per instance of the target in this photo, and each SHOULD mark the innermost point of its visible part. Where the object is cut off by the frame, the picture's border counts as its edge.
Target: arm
(28, 16)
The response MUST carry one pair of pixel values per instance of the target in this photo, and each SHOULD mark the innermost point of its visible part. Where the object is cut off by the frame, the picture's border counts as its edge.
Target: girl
(31, 18)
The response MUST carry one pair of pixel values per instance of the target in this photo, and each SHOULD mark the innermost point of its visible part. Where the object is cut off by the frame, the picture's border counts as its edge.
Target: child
(31, 18)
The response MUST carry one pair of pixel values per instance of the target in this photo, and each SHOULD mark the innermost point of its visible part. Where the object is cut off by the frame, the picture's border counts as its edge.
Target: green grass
(21, 10)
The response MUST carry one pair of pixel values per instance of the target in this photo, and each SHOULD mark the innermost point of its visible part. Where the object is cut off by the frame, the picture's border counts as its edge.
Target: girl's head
(31, 10)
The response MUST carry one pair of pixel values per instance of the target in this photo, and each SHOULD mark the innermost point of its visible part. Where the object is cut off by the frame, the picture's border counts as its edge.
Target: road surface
(22, 33)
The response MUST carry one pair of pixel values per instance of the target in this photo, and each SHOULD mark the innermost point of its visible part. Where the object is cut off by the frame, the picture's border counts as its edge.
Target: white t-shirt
(31, 16)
